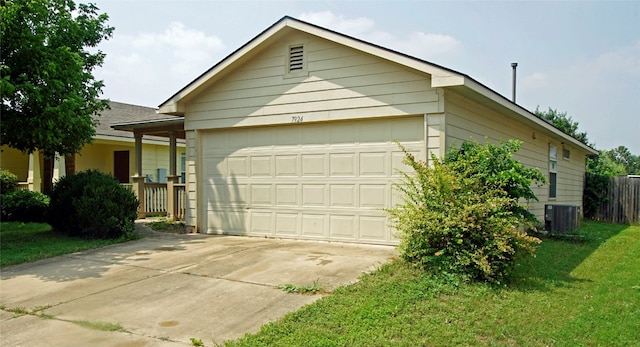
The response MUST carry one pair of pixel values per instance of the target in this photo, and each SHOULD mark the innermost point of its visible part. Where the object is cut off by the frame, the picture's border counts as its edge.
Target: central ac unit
(561, 218)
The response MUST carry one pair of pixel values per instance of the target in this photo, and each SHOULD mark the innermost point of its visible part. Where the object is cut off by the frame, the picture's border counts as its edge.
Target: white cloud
(419, 44)
(151, 60)
(600, 92)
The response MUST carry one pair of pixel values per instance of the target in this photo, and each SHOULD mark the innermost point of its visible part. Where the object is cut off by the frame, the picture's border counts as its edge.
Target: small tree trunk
(47, 175)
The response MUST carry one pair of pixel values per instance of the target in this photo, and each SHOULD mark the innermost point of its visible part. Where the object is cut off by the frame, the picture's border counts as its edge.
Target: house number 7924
(296, 119)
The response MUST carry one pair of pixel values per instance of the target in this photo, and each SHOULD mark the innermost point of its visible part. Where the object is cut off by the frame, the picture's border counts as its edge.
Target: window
(183, 168)
(566, 154)
(553, 171)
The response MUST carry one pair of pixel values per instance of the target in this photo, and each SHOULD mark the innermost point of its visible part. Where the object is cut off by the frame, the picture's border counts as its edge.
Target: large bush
(92, 204)
(24, 206)
(8, 182)
(494, 167)
(454, 219)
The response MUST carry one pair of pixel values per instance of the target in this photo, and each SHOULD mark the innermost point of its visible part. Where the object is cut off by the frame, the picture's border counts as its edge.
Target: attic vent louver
(296, 58)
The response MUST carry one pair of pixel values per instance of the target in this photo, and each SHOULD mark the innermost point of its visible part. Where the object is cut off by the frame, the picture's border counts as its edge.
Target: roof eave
(526, 114)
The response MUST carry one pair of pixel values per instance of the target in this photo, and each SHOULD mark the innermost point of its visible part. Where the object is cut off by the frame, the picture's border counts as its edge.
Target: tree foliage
(563, 122)
(46, 61)
(455, 218)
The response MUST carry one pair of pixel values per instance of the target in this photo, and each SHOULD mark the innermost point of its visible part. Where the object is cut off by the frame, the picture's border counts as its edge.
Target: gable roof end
(440, 76)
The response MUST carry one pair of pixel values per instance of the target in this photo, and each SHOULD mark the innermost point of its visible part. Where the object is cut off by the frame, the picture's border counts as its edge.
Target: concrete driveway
(166, 288)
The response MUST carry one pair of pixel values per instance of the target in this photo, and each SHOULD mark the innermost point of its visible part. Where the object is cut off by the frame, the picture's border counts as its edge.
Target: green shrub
(94, 205)
(451, 221)
(495, 168)
(8, 182)
(24, 206)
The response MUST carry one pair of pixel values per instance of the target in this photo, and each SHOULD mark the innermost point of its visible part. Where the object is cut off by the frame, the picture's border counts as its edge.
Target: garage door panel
(373, 164)
(374, 132)
(342, 195)
(261, 223)
(286, 136)
(287, 224)
(327, 181)
(406, 130)
(286, 165)
(260, 138)
(313, 225)
(342, 164)
(287, 194)
(373, 195)
(260, 166)
(313, 165)
(224, 194)
(342, 134)
(342, 227)
(236, 138)
(261, 194)
(314, 135)
(313, 195)
(237, 167)
(372, 228)
(233, 222)
(215, 167)
(397, 165)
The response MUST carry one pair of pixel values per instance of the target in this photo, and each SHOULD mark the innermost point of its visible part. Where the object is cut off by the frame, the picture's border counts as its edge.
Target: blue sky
(579, 57)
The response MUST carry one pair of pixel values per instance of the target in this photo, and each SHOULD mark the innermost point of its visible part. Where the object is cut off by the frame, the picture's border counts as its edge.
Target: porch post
(172, 179)
(34, 177)
(59, 168)
(138, 178)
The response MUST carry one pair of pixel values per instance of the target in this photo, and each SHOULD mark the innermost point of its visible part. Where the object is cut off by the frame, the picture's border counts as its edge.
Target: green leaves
(49, 95)
(461, 215)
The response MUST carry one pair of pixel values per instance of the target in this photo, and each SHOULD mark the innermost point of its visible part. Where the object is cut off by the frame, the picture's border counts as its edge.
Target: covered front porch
(157, 198)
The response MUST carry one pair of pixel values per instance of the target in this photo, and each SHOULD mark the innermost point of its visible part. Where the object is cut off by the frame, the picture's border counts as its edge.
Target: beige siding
(191, 169)
(340, 83)
(467, 120)
(15, 162)
(99, 155)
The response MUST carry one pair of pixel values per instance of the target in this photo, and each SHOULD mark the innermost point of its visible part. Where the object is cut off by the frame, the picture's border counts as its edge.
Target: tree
(623, 157)
(563, 122)
(49, 94)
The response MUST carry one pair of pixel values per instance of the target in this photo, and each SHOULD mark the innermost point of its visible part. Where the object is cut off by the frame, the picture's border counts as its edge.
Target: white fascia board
(132, 140)
(439, 77)
(172, 106)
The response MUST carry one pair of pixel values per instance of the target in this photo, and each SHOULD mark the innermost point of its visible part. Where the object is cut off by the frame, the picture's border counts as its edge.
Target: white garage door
(328, 181)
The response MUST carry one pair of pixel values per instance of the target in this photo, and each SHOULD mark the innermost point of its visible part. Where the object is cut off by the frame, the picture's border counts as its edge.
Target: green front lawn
(26, 242)
(574, 293)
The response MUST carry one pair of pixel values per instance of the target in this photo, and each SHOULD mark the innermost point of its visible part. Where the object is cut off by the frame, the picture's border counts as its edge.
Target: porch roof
(155, 127)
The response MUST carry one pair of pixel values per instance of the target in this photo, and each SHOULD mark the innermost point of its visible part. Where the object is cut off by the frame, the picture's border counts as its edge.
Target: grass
(309, 290)
(100, 326)
(167, 226)
(27, 242)
(581, 291)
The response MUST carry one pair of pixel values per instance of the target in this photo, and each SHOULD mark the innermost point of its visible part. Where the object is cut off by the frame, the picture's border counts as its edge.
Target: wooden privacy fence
(623, 201)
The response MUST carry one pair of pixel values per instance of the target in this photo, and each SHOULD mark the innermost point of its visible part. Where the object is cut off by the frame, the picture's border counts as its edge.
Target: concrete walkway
(166, 288)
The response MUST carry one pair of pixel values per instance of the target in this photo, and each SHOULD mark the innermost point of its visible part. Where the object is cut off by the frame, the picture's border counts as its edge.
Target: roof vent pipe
(513, 87)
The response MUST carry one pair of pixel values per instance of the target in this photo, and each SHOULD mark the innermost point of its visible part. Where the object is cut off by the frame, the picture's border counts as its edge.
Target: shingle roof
(122, 113)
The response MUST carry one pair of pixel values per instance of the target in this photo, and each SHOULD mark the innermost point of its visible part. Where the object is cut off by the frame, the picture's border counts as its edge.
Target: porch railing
(156, 199)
